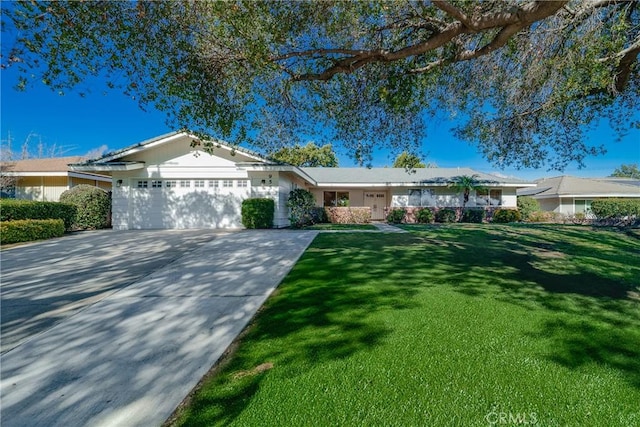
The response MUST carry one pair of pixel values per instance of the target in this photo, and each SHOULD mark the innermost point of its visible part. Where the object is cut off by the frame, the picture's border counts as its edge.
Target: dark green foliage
(258, 213)
(302, 208)
(308, 156)
(408, 161)
(615, 208)
(504, 216)
(526, 80)
(446, 215)
(30, 229)
(424, 216)
(396, 216)
(93, 206)
(473, 215)
(526, 206)
(12, 210)
(318, 215)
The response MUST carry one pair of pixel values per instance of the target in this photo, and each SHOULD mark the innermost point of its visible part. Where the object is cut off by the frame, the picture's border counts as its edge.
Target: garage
(186, 203)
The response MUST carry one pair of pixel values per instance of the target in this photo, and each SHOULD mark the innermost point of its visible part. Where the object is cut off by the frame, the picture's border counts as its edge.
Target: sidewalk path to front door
(131, 358)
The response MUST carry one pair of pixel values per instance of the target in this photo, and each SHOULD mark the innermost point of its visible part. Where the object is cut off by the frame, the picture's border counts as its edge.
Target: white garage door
(187, 203)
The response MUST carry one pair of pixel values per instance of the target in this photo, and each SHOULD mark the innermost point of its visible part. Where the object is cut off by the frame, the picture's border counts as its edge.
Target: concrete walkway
(131, 358)
(388, 228)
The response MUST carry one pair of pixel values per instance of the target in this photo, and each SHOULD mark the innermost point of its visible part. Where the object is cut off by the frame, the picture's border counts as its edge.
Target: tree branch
(509, 22)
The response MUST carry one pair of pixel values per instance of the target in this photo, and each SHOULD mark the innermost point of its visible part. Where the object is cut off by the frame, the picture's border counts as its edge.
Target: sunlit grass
(447, 325)
(340, 227)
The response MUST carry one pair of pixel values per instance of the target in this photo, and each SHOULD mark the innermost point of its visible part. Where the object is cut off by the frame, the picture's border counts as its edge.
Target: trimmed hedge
(616, 208)
(446, 215)
(26, 230)
(93, 206)
(348, 215)
(258, 213)
(396, 216)
(473, 215)
(13, 210)
(425, 216)
(504, 216)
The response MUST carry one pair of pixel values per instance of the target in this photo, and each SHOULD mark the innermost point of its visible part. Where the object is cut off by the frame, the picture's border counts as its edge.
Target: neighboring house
(169, 182)
(570, 195)
(46, 179)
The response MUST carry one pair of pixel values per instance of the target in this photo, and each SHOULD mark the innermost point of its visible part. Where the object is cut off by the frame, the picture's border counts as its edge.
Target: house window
(185, 183)
(227, 183)
(142, 184)
(242, 183)
(170, 184)
(8, 192)
(213, 183)
(156, 184)
(582, 206)
(421, 197)
(336, 198)
(198, 183)
(489, 197)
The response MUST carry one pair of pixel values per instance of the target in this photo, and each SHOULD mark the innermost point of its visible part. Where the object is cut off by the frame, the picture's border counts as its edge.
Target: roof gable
(174, 147)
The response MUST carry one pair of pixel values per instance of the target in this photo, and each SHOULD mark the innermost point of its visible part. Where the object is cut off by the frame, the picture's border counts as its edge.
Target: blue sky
(108, 120)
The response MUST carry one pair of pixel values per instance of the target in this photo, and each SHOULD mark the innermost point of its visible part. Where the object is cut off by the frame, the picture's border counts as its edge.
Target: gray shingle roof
(401, 176)
(573, 186)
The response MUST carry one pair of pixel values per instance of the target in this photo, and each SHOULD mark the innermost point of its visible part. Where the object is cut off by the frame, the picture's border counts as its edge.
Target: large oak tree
(526, 79)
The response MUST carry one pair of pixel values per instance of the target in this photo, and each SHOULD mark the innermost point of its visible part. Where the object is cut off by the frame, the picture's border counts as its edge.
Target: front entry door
(377, 202)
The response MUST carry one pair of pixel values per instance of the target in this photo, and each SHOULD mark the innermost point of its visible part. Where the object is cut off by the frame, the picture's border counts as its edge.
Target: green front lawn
(462, 325)
(340, 227)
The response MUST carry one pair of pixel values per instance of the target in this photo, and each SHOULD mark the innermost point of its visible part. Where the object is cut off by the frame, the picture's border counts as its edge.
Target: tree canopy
(627, 171)
(525, 79)
(310, 155)
(408, 161)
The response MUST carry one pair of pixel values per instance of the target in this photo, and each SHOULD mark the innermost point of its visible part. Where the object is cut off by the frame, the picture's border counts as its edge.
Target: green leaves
(364, 75)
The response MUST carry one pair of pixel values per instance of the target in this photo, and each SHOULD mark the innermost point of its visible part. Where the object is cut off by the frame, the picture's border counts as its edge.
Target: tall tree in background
(411, 161)
(308, 156)
(529, 77)
(627, 171)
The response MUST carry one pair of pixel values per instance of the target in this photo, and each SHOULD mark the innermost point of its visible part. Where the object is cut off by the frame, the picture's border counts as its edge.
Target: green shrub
(396, 216)
(473, 215)
(504, 216)
(424, 216)
(545, 216)
(93, 206)
(446, 215)
(318, 215)
(527, 206)
(615, 208)
(26, 230)
(258, 213)
(348, 215)
(12, 210)
(301, 204)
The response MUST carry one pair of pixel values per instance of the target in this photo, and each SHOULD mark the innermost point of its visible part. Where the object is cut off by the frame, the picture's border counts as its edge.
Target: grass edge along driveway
(450, 325)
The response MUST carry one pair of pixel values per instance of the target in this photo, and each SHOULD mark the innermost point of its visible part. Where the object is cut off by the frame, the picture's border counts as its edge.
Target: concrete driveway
(45, 282)
(130, 358)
